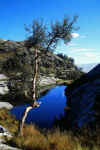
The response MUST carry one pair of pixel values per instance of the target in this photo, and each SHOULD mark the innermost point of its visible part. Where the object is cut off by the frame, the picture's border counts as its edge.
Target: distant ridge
(87, 67)
(85, 78)
(95, 70)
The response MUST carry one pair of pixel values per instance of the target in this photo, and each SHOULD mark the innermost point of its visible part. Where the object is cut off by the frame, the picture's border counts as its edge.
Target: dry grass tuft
(34, 139)
(7, 121)
(60, 140)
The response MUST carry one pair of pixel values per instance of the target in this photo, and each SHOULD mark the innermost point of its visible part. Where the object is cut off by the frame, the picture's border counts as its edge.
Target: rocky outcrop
(17, 63)
(3, 91)
(44, 80)
(16, 58)
(4, 133)
(83, 100)
(6, 147)
(3, 84)
(5, 105)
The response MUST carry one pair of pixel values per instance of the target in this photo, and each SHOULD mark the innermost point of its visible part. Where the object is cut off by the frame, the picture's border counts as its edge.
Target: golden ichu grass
(8, 121)
(34, 139)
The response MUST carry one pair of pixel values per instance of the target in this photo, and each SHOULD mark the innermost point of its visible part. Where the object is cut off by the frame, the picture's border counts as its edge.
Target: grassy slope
(36, 139)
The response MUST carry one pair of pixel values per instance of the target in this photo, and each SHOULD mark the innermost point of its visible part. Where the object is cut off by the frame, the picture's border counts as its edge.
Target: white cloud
(81, 55)
(75, 35)
(91, 55)
(81, 50)
(88, 57)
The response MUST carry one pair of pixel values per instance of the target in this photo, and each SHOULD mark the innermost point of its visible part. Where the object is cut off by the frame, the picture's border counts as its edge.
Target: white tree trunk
(24, 118)
(34, 94)
(35, 77)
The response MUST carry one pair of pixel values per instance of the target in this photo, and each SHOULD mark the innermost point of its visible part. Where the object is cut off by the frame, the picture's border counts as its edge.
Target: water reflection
(52, 106)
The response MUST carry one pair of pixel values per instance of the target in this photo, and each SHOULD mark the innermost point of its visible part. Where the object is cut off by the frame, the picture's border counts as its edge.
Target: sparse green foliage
(41, 37)
(37, 32)
(61, 31)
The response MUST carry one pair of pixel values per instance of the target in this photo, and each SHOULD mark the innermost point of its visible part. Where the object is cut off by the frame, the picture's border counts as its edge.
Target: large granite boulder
(6, 105)
(83, 100)
(3, 84)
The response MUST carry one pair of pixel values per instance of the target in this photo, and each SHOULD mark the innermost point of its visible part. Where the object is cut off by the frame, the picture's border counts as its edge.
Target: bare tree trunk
(24, 118)
(33, 92)
(35, 77)
(35, 104)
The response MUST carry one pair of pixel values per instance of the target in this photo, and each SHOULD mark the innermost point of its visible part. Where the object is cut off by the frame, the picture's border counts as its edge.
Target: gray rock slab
(3, 84)
(6, 105)
(6, 147)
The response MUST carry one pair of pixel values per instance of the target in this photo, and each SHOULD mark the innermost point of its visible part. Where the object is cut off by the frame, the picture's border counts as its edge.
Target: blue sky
(85, 45)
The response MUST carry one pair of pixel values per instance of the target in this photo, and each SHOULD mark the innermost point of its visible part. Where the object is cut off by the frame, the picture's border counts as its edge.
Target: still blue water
(52, 106)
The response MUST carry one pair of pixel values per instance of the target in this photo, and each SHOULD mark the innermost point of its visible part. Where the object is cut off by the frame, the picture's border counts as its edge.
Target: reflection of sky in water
(52, 106)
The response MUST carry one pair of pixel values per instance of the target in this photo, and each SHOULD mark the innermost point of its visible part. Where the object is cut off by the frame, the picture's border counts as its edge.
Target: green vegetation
(36, 139)
(16, 62)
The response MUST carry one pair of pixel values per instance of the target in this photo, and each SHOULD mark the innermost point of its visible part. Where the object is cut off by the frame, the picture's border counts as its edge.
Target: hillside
(17, 63)
(59, 65)
(87, 67)
(83, 100)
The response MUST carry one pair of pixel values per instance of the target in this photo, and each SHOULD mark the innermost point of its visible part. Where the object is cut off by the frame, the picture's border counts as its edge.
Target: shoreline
(22, 99)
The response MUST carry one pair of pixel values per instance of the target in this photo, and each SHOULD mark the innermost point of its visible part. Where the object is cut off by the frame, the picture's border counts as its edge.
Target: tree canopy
(47, 37)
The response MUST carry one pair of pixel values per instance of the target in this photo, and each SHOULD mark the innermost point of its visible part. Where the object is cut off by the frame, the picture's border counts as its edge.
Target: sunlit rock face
(3, 84)
(84, 99)
(5, 105)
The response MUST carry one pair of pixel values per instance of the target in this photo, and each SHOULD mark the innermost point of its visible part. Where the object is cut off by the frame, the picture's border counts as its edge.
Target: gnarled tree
(42, 37)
